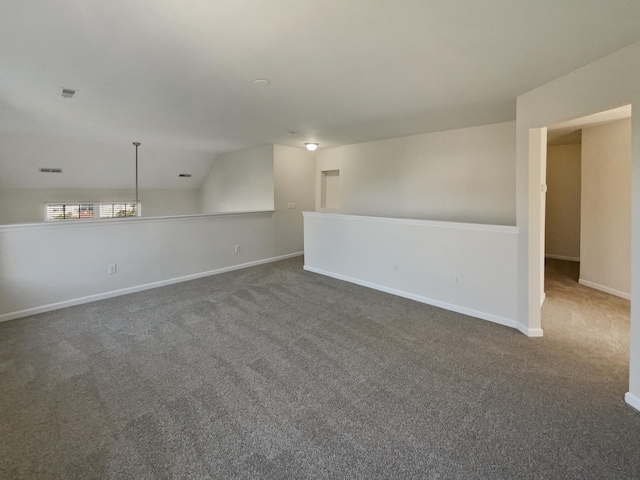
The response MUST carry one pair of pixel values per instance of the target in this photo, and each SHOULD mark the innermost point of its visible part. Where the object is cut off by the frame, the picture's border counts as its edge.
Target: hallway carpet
(587, 321)
(276, 373)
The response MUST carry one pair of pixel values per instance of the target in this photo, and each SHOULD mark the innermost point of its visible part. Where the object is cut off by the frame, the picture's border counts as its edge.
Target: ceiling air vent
(50, 170)
(68, 93)
(186, 175)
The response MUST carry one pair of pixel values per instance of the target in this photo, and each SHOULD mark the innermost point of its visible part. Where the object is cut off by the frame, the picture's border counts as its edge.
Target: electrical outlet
(333, 253)
(237, 249)
(456, 279)
(112, 268)
(292, 205)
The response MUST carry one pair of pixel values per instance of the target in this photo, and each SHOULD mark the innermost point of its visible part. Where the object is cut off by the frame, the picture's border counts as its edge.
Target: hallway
(591, 325)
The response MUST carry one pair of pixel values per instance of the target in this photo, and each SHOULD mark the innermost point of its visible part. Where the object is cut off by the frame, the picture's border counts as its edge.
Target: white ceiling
(181, 74)
(96, 165)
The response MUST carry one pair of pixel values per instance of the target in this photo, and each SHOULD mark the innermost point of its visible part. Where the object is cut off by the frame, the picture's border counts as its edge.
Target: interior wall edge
(632, 400)
(529, 332)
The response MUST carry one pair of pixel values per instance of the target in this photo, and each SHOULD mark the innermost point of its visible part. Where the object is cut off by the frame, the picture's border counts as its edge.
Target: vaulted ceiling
(181, 74)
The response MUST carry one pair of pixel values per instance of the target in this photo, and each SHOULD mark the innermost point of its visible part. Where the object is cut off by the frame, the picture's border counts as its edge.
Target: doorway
(587, 207)
(587, 237)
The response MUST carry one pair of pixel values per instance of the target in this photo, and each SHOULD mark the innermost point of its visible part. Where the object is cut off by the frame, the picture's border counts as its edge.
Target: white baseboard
(602, 288)
(561, 257)
(138, 288)
(632, 400)
(418, 298)
(530, 332)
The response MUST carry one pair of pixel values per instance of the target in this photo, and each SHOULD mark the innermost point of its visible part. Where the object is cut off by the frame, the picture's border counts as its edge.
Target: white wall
(607, 83)
(420, 259)
(562, 233)
(241, 180)
(52, 265)
(606, 208)
(464, 175)
(165, 202)
(24, 205)
(294, 183)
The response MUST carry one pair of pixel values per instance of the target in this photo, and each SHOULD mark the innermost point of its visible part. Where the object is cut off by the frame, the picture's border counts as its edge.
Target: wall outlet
(237, 249)
(112, 268)
(333, 253)
(456, 279)
(292, 205)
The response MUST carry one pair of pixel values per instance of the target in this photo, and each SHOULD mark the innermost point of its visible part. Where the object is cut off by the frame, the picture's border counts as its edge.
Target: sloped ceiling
(96, 165)
(180, 74)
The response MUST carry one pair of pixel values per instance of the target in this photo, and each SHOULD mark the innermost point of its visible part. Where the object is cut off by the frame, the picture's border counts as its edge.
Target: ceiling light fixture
(311, 146)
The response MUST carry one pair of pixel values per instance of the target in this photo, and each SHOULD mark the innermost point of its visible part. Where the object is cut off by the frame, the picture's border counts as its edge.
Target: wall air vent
(68, 92)
(50, 170)
(185, 175)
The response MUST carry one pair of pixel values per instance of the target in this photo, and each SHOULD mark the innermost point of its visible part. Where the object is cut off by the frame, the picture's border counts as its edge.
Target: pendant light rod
(137, 144)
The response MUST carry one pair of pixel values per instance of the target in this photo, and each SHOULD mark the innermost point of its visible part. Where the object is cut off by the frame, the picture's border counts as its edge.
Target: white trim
(632, 400)
(529, 332)
(413, 221)
(71, 223)
(418, 298)
(543, 297)
(562, 257)
(602, 288)
(138, 288)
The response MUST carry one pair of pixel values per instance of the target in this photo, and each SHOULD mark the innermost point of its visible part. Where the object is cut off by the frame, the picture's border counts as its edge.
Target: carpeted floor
(272, 372)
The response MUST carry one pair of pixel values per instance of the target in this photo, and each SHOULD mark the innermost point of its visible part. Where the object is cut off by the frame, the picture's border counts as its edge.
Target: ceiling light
(311, 146)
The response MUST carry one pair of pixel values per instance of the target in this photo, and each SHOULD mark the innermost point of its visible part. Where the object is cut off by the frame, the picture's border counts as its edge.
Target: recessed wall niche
(330, 189)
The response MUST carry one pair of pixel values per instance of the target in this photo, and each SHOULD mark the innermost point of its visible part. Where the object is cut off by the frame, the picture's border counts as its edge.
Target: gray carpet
(273, 372)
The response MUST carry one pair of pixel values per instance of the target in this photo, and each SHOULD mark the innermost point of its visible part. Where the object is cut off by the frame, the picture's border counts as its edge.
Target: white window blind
(117, 210)
(64, 211)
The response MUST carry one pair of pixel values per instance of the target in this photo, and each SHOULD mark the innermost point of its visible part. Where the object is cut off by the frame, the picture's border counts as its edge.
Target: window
(69, 210)
(78, 211)
(117, 210)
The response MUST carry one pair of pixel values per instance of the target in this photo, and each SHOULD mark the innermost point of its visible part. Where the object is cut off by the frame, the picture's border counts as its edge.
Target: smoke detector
(68, 92)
